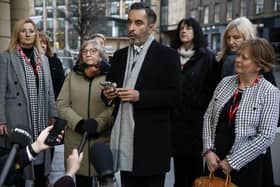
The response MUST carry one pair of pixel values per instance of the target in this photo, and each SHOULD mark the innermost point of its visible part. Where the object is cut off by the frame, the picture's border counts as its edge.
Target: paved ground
(58, 168)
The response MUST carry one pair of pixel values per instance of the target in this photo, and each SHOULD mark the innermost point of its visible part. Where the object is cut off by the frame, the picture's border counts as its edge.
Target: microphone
(102, 160)
(83, 141)
(19, 138)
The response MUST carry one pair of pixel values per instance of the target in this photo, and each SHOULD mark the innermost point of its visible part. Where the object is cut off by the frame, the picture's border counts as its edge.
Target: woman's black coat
(198, 80)
(57, 74)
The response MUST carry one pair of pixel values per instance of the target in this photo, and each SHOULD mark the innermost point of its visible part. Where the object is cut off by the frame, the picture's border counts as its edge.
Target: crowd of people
(211, 113)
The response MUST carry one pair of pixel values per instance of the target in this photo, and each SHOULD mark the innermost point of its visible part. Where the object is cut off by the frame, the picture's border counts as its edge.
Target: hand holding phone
(58, 127)
(108, 84)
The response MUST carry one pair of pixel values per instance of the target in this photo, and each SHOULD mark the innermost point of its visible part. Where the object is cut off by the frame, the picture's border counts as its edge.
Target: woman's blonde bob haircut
(244, 26)
(16, 34)
(261, 52)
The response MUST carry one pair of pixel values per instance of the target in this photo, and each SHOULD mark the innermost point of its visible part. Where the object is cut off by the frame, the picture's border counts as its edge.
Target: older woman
(26, 93)
(241, 120)
(79, 102)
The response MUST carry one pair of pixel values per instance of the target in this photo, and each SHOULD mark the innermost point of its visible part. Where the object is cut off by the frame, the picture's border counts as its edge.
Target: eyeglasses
(91, 51)
(29, 32)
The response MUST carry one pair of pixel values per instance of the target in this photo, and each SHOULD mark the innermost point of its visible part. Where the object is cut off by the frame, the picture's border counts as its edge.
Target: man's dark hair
(152, 17)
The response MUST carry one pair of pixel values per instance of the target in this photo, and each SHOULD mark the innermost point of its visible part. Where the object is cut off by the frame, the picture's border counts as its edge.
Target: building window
(217, 13)
(164, 12)
(49, 3)
(194, 14)
(60, 12)
(61, 23)
(216, 42)
(229, 10)
(50, 23)
(206, 15)
(38, 11)
(276, 5)
(38, 3)
(60, 2)
(243, 8)
(115, 9)
(49, 13)
(127, 6)
(259, 6)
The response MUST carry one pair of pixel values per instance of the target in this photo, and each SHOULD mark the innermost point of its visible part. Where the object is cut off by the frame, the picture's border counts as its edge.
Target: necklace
(30, 56)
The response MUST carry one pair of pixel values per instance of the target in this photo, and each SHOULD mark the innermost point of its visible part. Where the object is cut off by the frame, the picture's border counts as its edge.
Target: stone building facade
(10, 12)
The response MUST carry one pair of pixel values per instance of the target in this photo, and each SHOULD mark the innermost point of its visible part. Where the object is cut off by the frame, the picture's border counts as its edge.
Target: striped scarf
(39, 119)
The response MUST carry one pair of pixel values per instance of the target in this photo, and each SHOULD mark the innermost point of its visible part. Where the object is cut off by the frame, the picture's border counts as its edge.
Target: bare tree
(82, 16)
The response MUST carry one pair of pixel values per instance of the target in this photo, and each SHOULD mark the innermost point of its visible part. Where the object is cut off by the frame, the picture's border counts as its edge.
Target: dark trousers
(129, 180)
(83, 181)
(186, 169)
(19, 180)
(40, 179)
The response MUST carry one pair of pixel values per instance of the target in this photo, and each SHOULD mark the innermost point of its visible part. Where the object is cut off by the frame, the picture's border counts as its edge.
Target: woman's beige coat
(79, 99)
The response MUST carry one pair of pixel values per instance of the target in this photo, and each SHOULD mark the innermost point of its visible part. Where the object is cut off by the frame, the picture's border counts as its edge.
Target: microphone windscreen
(102, 159)
(20, 136)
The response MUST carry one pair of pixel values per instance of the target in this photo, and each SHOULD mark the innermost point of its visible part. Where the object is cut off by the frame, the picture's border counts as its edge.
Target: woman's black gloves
(87, 125)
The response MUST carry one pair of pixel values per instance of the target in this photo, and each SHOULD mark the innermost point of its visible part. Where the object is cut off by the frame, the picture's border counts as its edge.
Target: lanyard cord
(234, 105)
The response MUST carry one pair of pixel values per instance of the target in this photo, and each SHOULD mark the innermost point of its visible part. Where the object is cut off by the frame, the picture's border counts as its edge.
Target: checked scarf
(36, 95)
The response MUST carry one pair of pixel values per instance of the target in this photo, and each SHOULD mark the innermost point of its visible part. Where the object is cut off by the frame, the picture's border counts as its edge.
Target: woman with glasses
(79, 102)
(26, 93)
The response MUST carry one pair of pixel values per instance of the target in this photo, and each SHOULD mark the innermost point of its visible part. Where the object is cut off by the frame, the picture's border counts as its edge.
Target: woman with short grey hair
(79, 103)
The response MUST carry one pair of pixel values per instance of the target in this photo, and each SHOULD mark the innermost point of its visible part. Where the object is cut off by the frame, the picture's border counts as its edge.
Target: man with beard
(147, 75)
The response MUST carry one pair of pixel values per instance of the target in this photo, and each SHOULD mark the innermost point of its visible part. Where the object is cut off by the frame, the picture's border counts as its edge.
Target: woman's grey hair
(96, 45)
(244, 26)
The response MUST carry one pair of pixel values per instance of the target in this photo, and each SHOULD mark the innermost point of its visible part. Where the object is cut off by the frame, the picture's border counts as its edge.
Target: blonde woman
(26, 93)
(237, 31)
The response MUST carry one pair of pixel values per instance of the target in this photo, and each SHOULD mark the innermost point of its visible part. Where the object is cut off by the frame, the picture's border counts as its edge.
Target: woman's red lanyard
(232, 110)
(28, 61)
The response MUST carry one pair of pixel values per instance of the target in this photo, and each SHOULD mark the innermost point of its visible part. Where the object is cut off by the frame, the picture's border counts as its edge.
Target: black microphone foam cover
(102, 159)
(20, 136)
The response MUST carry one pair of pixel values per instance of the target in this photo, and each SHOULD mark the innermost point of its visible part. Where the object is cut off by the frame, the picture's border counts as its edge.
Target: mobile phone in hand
(53, 135)
(108, 84)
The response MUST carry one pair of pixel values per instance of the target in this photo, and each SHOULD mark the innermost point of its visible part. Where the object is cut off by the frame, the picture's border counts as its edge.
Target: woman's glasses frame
(91, 51)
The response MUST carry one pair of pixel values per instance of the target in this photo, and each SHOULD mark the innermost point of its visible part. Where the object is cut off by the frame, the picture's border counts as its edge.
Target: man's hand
(110, 93)
(212, 161)
(73, 163)
(128, 94)
(3, 129)
(39, 144)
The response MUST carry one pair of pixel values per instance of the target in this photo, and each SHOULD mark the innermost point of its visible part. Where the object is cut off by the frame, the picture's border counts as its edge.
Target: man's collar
(138, 48)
